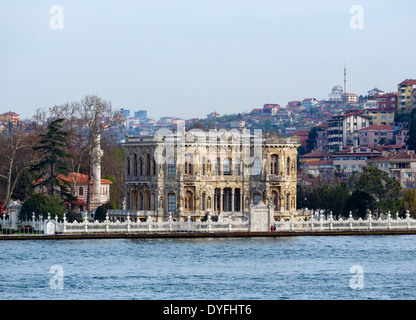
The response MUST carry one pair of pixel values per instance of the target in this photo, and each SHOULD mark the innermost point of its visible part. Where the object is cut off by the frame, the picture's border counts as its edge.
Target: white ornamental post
(370, 221)
(350, 220)
(330, 220)
(209, 221)
(33, 221)
(64, 222)
(229, 221)
(128, 222)
(86, 222)
(312, 218)
(291, 222)
(189, 222)
(408, 219)
(322, 221)
(388, 221)
(170, 221)
(107, 227)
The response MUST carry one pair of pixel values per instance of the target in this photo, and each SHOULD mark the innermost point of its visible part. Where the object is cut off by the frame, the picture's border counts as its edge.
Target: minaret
(345, 78)
(96, 172)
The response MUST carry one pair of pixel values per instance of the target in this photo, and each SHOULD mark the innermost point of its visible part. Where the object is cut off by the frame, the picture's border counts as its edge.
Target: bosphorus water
(303, 268)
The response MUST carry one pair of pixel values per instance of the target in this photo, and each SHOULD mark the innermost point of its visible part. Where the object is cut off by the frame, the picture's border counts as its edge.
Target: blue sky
(187, 58)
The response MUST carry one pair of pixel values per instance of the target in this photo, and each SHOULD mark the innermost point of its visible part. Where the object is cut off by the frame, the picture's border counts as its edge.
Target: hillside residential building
(352, 159)
(350, 98)
(10, 117)
(399, 165)
(376, 135)
(404, 92)
(309, 103)
(380, 117)
(388, 101)
(343, 129)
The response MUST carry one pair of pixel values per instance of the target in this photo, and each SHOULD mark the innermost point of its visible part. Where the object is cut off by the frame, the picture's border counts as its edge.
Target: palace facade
(194, 173)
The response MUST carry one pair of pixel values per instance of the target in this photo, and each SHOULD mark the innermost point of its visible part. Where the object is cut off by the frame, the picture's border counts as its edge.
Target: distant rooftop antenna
(345, 78)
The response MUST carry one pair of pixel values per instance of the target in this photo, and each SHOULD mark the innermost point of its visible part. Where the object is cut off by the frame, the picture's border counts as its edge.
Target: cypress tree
(52, 147)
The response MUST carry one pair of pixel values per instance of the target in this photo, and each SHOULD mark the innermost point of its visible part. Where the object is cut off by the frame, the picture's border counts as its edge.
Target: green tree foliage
(358, 203)
(371, 189)
(376, 183)
(100, 213)
(53, 162)
(41, 205)
(411, 139)
(409, 201)
(312, 140)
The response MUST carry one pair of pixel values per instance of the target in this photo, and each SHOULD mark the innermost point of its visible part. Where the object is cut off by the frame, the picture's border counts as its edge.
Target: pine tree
(52, 147)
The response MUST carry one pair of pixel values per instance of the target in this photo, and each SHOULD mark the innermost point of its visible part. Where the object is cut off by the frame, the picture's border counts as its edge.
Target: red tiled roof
(408, 82)
(318, 163)
(404, 155)
(81, 178)
(316, 154)
(378, 127)
(300, 133)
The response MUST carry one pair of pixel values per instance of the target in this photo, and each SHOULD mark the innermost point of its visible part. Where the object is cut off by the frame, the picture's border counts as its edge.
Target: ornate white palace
(198, 173)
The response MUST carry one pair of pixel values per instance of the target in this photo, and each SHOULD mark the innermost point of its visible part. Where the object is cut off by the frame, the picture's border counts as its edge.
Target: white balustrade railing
(224, 224)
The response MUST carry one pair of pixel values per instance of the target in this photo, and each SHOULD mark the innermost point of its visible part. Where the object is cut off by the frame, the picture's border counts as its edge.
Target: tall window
(257, 167)
(128, 166)
(204, 166)
(217, 166)
(203, 201)
(188, 201)
(171, 166)
(227, 167)
(288, 166)
(140, 167)
(237, 167)
(81, 191)
(171, 202)
(135, 164)
(148, 165)
(256, 198)
(273, 199)
(274, 164)
(188, 164)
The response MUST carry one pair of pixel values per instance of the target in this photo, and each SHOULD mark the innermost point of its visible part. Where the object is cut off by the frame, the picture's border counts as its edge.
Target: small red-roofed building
(81, 189)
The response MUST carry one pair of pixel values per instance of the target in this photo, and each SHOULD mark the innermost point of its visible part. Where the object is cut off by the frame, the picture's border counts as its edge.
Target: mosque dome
(337, 89)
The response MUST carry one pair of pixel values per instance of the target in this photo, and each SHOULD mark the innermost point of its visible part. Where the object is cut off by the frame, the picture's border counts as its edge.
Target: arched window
(288, 166)
(237, 171)
(257, 167)
(188, 164)
(288, 202)
(128, 166)
(274, 160)
(256, 198)
(171, 166)
(273, 199)
(135, 164)
(81, 191)
(204, 166)
(217, 166)
(140, 166)
(171, 202)
(188, 201)
(203, 204)
(227, 167)
(148, 164)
